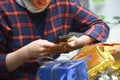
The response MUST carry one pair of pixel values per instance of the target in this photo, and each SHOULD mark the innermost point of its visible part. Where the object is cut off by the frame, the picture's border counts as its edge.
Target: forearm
(15, 59)
(33, 50)
(87, 39)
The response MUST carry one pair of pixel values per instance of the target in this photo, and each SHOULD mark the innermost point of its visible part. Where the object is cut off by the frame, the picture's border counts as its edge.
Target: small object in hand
(61, 45)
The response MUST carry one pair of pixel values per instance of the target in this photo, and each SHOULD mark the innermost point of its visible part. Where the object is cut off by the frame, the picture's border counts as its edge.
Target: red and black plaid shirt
(61, 17)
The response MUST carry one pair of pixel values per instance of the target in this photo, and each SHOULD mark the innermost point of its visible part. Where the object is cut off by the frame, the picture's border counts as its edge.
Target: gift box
(64, 70)
(103, 56)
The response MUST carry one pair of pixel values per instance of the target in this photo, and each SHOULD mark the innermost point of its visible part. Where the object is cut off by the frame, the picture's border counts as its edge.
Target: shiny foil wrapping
(103, 56)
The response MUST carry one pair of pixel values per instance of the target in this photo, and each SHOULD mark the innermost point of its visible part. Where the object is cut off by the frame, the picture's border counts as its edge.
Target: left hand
(75, 42)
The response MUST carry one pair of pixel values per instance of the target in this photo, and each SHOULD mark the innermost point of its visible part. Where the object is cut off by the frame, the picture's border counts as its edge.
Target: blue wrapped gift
(64, 70)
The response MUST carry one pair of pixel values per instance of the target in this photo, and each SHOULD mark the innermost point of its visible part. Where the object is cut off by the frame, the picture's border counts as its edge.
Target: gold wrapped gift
(103, 55)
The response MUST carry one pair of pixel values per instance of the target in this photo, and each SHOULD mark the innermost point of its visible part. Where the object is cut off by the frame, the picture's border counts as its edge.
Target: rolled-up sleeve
(99, 32)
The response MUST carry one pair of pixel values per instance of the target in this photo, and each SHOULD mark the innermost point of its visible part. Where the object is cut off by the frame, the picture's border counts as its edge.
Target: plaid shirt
(61, 17)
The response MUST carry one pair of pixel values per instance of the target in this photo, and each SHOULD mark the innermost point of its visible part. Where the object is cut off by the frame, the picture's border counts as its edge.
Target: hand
(75, 42)
(36, 48)
(65, 45)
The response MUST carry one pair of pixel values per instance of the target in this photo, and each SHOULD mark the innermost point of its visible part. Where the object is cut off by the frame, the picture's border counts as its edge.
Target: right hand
(36, 48)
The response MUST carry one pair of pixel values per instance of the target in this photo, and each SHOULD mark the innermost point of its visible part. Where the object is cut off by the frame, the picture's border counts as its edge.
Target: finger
(71, 39)
(49, 44)
(71, 43)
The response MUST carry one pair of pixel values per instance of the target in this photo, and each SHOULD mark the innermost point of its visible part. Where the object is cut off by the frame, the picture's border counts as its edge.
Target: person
(28, 27)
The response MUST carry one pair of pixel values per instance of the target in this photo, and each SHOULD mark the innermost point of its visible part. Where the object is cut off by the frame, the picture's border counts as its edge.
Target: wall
(108, 8)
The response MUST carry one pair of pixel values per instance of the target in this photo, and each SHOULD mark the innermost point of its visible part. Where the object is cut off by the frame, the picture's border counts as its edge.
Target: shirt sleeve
(91, 23)
(3, 69)
(3, 44)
